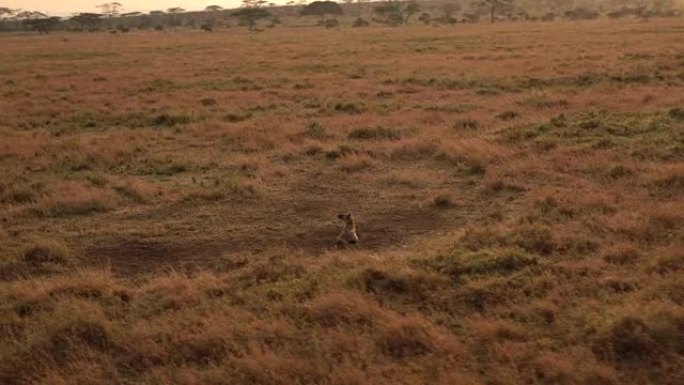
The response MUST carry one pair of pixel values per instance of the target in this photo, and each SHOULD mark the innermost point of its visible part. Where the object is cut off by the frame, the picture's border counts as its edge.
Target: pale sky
(67, 7)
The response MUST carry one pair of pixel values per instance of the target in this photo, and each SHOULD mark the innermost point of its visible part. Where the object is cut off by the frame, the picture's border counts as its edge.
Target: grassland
(168, 206)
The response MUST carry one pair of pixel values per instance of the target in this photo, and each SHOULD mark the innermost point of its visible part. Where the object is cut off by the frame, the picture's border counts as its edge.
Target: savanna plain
(168, 205)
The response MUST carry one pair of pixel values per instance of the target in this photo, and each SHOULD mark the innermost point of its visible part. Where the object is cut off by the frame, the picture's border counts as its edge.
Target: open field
(168, 206)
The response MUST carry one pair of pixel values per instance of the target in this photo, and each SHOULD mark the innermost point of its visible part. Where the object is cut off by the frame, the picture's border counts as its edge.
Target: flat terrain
(168, 204)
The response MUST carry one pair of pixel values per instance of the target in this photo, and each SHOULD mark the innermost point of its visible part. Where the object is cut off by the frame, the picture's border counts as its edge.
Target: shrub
(407, 338)
(170, 120)
(466, 124)
(676, 113)
(508, 115)
(349, 108)
(17, 194)
(535, 239)
(443, 201)
(360, 22)
(377, 133)
(208, 102)
(235, 118)
(47, 251)
(315, 130)
(73, 335)
(627, 341)
(620, 171)
(332, 23)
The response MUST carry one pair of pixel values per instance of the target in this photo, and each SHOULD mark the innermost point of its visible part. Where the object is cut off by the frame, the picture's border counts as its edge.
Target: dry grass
(168, 206)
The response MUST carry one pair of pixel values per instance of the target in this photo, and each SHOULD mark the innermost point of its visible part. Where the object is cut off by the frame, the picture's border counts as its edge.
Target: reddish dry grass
(169, 206)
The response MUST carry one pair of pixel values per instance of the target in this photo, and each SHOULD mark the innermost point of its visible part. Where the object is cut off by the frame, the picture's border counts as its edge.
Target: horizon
(70, 7)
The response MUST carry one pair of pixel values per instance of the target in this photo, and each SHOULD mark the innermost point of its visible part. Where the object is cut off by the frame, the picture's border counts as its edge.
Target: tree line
(257, 14)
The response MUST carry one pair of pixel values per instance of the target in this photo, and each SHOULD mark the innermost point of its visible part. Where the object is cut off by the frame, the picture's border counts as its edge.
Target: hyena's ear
(342, 216)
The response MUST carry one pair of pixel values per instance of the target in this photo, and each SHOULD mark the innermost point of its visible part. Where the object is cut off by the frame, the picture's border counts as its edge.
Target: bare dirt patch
(308, 227)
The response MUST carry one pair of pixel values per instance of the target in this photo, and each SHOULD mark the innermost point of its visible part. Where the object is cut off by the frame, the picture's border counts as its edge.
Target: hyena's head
(346, 218)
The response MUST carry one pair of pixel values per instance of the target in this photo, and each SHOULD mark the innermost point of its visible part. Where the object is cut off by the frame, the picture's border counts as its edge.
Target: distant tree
(43, 24)
(322, 8)
(251, 12)
(253, 3)
(88, 21)
(397, 12)
(36, 21)
(29, 15)
(212, 18)
(6, 12)
(581, 13)
(332, 23)
(493, 6)
(549, 16)
(449, 9)
(110, 9)
(174, 18)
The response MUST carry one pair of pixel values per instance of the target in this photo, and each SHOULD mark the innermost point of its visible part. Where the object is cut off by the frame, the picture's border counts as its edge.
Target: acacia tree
(29, 15)
(397, 12)
(212, 18)
(43, 24)
(174, 18)
(87, 20)
(6, 12)
(494, 6)
(322, 8)
(35, 20)
(110, 9)
(251, 12)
